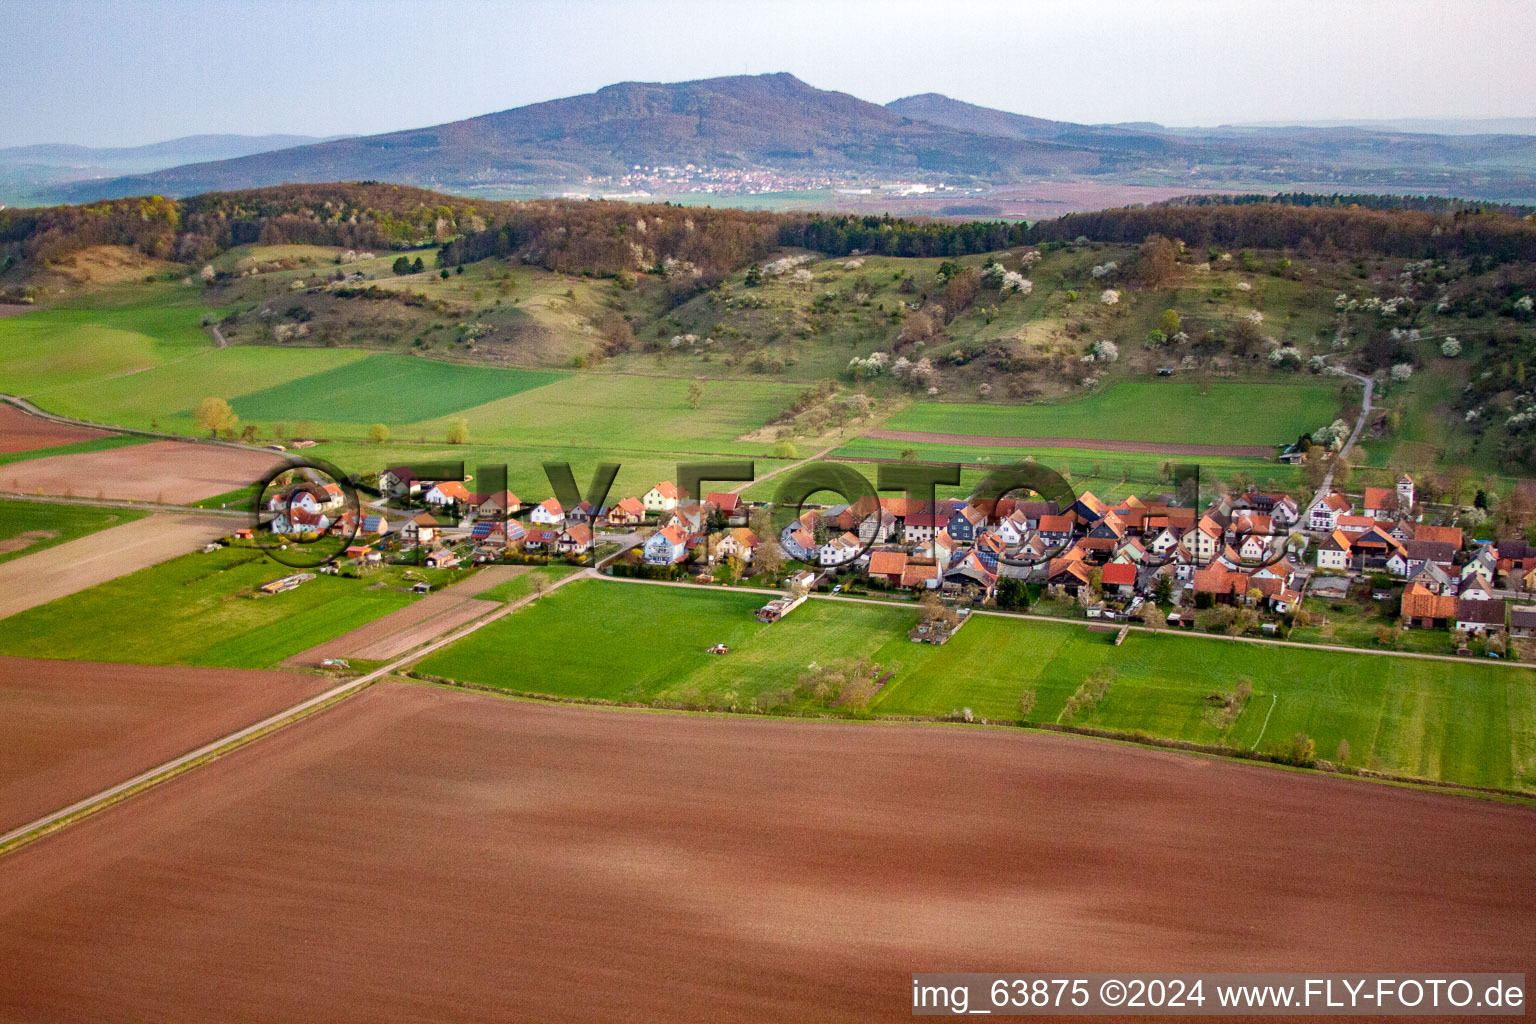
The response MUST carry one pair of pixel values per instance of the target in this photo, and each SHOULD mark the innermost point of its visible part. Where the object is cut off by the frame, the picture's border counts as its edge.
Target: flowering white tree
(872, 365)
(992, 274)
(1254, 317)
(1450, 348)
(1402, 371)
(1013, 281)
(1525, 304)
(1106, 270)
(1106, 351)
(1109, 296)
(1244, 286)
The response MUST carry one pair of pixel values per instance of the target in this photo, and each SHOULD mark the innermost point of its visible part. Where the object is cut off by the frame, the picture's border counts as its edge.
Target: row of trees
(1351, 231)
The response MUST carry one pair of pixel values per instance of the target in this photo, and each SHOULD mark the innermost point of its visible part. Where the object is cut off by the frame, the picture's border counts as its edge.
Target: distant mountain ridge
(777, 122)
(155, 155)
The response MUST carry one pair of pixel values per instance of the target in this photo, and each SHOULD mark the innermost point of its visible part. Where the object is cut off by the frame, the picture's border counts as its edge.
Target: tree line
(1346, 231)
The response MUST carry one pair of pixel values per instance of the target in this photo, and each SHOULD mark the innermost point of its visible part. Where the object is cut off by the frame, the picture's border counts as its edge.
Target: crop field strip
(386, 388)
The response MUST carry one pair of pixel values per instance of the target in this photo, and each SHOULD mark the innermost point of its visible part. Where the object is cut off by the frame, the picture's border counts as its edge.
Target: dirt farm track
(418, 854)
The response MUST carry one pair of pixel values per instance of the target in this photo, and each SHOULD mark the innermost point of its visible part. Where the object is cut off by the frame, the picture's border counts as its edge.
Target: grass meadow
(199, 609)
(386, 388)
(1441, 721)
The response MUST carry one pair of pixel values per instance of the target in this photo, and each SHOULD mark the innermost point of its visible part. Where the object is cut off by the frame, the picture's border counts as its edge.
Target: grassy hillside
(1191, 412)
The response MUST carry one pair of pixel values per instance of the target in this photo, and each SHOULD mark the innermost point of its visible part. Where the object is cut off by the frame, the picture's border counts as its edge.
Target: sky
(129, 72)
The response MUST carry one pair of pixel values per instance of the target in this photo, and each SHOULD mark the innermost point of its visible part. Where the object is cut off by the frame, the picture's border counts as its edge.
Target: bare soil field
(1156, 448)
(73, 728)
(399, 631)
(25, 539)
(418, 854)
(176, 472)
(105, 555)
(22, 432)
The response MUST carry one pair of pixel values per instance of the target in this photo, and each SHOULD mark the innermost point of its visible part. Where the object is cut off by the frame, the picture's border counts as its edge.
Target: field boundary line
(1274, 699)
(24, 834)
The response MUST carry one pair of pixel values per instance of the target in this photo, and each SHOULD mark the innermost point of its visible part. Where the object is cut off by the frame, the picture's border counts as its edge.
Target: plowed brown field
(177, 472)
(69, 729)
(21, 432)
(424, 855)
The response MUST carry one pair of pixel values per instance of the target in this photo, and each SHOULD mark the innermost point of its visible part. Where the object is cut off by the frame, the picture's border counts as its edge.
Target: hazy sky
(135, 71)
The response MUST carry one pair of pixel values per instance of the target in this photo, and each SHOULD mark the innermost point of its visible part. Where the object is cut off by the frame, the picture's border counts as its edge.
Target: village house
(420, 530)
(575, 540)
(548, 513)
(399, 482)
(838, 551)
(921, 575)
(1333, 552)
(888, 565)
(498, 505)
(921, 527)
(1323, 515)
(970, 571)
(1434, 579)
(1413, 555)
(1424, 609)
(1381, 503)
(965, 521)
(628, 512)
(667, 546)
(1479, 617)
(541, 538)
(298, 521)
(1119, 578)
(728, 505)
(664, 497)
(449, 492)
(739, 543)
(1522, 621)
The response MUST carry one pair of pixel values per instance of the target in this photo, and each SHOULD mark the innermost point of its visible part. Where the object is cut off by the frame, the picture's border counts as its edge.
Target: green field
(521, 585)
(387, 389)
(1178, 411)
(636, 642)
(65, 522)
(1442, 721)
(627, 411)
(197, 610)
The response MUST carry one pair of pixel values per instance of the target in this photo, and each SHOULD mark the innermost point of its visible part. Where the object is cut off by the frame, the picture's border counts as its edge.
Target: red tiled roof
(1119, 574)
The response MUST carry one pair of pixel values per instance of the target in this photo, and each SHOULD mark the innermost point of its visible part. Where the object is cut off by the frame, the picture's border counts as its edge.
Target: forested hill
(702, 245)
